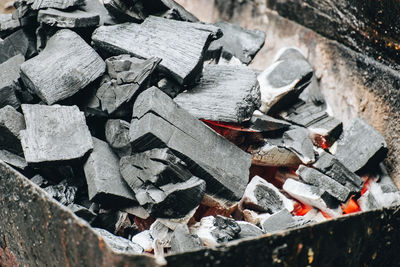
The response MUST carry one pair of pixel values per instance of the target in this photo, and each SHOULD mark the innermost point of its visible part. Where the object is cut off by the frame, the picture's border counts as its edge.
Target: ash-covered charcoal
(273, 153)
(280, 220)
(162, 233)
(54, 134)
(249, 230)
(11, 123)
(173, 200)
(14, 44)
(212, 230)
(314, 215)
(117, 135)
(316, 178)
(119, 244)
(145, 240)
(105, 183)
(159, 122)
(116, 222)
(83, 212)
(67, 65)
(333, 168)
(265, 123)
(180, 45)
(59, 4)
(12, 159)
(39, 180)
(68, 19)
(8, 24)
(298, 141)
(359, 145)
(385, 182)
(312, 196)
(9, 85)
(253, 217)
(157, 166)
(264, 197)
(375, 198)
(284, 80)
(238, 42)
(208, 99)
(62, 192)
(183, 241)
(170, 87)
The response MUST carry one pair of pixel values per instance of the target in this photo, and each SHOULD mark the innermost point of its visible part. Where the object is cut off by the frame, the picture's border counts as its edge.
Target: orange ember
(301, 209)
(351, 206)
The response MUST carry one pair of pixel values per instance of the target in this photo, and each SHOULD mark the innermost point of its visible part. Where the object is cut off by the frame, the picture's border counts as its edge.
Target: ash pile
(151, 126)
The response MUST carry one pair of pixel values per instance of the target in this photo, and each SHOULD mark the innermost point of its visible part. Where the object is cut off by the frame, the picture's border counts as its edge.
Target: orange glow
(226, 125)
(350, 207)
(321, 142)
(301, 209)
(325, 215)
(367, 182)
(267, 173)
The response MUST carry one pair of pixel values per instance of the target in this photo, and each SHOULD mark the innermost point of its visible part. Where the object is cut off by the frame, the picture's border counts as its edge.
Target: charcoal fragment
(265, 123)
(298, 141)
(280, 220)
(225, 229)
(14, 44)
(183, 241)
(274, 154)
(8, 24)
(145, 240)
(117, 135)
(119, 244)
(62, 192)
(11, 123)
(9, 85)
(13, 159)
(82, 212)
(59, 4)
(249, 230)
(71, 19)
(116, 222)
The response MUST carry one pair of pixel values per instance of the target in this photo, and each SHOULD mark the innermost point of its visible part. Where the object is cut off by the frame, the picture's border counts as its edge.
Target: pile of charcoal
(151, 126)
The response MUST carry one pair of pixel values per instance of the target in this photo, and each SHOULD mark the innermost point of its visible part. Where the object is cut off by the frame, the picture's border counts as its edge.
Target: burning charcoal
(238, 42)
(162, 233)
(249, 230)
(265, 197)
(313, 196)
(54, 134)
(9, 85)
(67, 65)
(297, 140)
(265, 123)
(59, 4)
(315, 215)
(119, 244)
(8, 24)
(170, 87)
(159, 122)
(13, 159)
(208, 99)
(368, 202)
(173, 200)
(82, 212)
(271, 154)
(39, 180)
(333, 168)
(113, 221)
(158, 166)
(62, 192)
(359, 145)
(117, 135)
(385, 182)
(316, 178)
(280, 220)
(183, 241)
(375, 198)
(284, 80)
(11, 123)
(16, 43)
(180, 45)
(105, 183)
(71, 19)
(144, 240)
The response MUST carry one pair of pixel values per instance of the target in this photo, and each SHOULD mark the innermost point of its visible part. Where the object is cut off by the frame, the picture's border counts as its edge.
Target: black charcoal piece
(105, 183)
(16, 43)
(97, 7)
(249, 230)
(265, 123)
(8, 24)
(298, 141)
(112, 96)
(180, 45)
(160, 122)
(178, 199)
(271, 154)
(280, 220)
(11, 123)
(359, 145)
(119, 244)
(67, 65)
(157, 166)
(54, 134)
(125, 10)
(385, 182)
(82, 212)
(183, 241)
(71, 19)
(180, 12)
(264, 197)
(284, 80)
(62, 192)
(238, 42)
(375, 198)
(13, 159)
(116, 222)
(59, 4)
(225, 229)
(117, 135)
(224, 93)
(9, 85)
(332, 167)
(316, 178)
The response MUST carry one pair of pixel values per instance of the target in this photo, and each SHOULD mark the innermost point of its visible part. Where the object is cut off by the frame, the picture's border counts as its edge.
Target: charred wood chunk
(119, 244)
(249, 230)
(105, 183)
(161, 232)
(183, 241)
(16, 43)
(333, 168)
(208, 99)
(316, 178)
(375, 197)
(360, 144)
(264, 197)
(284, 80)
(298, 141)
(385, 181)
(160, 122)
(9, 85)
(11, 123)
(172, 200)
(116, 222)
(8, 23)
(126, 10)
(62, 192)
(54, 134)
(67, 65)
(157, 166)
(225, 229)
(83, 212)
(265, 123)
(180, 45)
(238, 42)
(272, 154)
(280, 220)
(71, 19)
(13, 159)
(59, 4)
(97, 7)
(312, 196)
(113, 96)
(117, 135)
